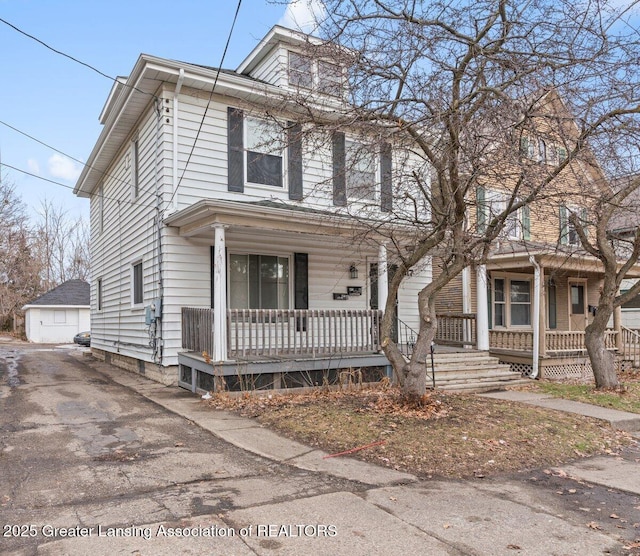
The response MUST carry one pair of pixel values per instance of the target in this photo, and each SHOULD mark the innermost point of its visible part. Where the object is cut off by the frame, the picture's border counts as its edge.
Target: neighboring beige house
(58, 315)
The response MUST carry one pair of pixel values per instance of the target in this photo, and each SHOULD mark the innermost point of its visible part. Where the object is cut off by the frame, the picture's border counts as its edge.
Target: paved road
(90, 466)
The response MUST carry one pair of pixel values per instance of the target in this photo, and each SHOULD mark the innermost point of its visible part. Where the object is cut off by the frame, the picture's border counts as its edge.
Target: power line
(92, 68)
(204, 115)
(102, 195)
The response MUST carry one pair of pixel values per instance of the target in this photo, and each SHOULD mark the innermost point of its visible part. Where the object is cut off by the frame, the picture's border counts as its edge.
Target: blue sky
(58, 101)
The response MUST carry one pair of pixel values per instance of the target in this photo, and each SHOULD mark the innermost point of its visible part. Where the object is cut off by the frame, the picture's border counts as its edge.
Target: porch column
(543, 315)
(466, 302)
(617, 326)
(482, 309)
(383, 278)
(219, 295)
(535, 314)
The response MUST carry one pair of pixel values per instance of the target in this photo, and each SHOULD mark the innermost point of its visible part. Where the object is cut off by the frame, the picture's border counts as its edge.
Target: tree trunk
(602, 360)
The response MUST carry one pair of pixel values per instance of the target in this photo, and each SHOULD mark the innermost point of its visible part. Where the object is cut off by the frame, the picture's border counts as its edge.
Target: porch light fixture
(353, 271)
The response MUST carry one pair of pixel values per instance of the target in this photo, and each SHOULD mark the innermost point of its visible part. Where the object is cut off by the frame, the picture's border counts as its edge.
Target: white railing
(631, 344)
(302, 331)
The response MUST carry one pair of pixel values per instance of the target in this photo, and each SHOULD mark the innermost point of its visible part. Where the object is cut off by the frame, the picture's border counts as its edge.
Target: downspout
(174, 194)
(535, 320)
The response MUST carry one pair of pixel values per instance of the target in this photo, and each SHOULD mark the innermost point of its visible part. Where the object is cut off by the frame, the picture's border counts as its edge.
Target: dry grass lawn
(447, 435)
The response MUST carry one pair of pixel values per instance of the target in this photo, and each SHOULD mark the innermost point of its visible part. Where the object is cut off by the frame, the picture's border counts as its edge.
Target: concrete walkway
(622, 420)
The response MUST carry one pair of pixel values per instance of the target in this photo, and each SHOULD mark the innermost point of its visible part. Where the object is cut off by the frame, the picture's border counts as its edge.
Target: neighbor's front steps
(472, 371)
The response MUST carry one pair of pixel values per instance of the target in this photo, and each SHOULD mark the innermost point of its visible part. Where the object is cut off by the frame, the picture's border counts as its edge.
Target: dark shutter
(294, 148)
(386, 190)
(301, 286)
(339, 164)
(235, 150)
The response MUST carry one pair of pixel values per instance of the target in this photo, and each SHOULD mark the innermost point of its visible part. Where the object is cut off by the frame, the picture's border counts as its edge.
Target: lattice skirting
(521, 368)
(580, 371)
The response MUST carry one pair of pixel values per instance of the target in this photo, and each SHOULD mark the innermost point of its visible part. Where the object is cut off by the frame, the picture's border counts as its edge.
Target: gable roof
(71, 292)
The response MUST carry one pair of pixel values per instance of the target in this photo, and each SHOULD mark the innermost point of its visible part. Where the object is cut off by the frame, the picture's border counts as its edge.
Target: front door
(577, 305)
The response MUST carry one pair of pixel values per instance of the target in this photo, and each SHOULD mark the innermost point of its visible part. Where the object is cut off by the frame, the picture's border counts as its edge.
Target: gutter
(535, 321)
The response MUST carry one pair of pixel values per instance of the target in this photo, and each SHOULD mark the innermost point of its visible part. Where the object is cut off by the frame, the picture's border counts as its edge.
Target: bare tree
(460, 84)
(62, 245)
(19, 269)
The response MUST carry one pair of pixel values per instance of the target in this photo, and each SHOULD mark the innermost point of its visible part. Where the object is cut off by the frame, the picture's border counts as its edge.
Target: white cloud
(63, 167)
(33, 166)
(303, 15)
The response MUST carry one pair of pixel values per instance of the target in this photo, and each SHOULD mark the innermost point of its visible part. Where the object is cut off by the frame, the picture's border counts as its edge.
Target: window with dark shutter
(294, 156)
(386, 186)
(339, 178)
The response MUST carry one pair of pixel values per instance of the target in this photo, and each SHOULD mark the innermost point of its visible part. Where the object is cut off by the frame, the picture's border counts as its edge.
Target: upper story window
(542, 151)
(264, 152)
(493, 203)
(360, 171)
(300, 70)
(568, 232)
(307, 73)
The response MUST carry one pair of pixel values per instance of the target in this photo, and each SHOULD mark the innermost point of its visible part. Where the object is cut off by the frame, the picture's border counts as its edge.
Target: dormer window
(300, 70)
(305, 73)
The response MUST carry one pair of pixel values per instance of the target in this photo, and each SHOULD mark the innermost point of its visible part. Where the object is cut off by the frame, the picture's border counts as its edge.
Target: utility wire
(92, 68)
(204, 115)
(72, 188)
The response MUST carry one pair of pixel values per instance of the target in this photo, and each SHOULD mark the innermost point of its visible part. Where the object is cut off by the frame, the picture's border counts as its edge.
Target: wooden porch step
(476, 387)
(473, 371)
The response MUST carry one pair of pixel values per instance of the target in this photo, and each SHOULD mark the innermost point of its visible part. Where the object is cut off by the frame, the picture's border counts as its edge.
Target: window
(137, 284)
(527, 147)
(99, 294)
(306, 73)
(577, 299)
(300, 70)
(134, 169)
(491, 204)
(264, 152)
(511, 302)
(520, 303)
(568, 232)
(329, 78)
(258, 282)
(542, 151)
(562, 154)
(360, 171)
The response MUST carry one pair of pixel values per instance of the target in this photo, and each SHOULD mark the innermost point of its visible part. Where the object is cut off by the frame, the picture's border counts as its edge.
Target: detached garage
(58, 315)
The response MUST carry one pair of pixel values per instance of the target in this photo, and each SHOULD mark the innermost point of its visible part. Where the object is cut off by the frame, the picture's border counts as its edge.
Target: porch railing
(512, 340)
(302, 331)
(456, 329)
(197, 329)
(631, 344)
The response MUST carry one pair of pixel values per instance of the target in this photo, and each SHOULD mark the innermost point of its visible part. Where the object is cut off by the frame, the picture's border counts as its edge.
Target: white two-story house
(230, 236)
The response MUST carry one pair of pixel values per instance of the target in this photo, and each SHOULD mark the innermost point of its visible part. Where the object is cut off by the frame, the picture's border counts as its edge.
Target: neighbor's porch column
(383, 278)
(617, 326)
(482, 309)
(219, 295)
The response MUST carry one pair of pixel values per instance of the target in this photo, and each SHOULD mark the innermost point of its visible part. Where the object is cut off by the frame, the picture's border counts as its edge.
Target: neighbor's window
(264, 152)
(258, 282)
(360, 171)
(511, 302)
(137, 296)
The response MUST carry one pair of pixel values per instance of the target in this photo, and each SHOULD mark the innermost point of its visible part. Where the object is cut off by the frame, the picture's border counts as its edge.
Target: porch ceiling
(563, 262)
(197, 220)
